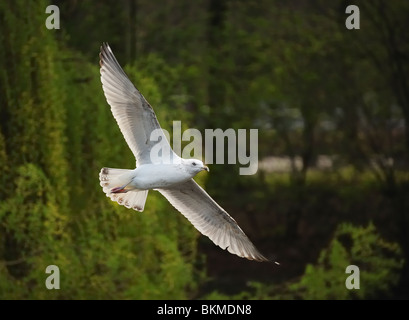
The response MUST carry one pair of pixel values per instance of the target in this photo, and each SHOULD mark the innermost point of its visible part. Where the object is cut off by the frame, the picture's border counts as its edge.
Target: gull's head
(195, 166)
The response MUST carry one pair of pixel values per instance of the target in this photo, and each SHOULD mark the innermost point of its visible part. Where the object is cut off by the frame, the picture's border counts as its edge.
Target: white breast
(152, 176)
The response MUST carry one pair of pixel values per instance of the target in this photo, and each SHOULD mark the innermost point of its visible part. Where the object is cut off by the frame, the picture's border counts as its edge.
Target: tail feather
(112, 178)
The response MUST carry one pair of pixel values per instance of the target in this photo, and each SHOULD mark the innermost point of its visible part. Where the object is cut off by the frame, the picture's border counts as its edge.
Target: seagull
(174, 179)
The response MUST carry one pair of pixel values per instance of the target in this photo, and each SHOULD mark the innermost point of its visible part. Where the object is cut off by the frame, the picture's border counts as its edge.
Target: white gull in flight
(137, 120)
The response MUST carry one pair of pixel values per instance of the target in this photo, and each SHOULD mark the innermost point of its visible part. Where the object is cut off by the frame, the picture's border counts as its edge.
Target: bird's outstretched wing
(211, 220)
(134, 115)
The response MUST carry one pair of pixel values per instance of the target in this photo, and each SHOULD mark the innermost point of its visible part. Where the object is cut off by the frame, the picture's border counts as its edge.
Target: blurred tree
(379, 261)
(57, 132)
(32, 126)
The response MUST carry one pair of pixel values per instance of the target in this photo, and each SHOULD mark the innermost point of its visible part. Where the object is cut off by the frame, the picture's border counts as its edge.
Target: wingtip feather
(105, 49)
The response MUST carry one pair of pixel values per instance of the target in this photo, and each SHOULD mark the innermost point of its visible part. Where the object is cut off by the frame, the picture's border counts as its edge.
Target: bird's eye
(194, 163)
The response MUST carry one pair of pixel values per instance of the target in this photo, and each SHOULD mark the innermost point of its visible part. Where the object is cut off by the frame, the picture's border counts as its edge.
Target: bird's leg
(120, 189)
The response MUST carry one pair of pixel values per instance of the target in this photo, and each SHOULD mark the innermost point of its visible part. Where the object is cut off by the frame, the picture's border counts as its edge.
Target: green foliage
(291, 70)
(58, 134)
(380, 263)
(255, 291)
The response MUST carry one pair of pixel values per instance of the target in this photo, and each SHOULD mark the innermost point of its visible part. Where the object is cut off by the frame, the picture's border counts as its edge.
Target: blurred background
(331, 106)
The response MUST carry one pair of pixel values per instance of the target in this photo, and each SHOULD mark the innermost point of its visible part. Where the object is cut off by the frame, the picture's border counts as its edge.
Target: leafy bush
(379, 262)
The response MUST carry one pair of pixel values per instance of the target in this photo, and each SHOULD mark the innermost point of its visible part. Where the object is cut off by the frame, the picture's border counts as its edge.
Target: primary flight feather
(174, 179)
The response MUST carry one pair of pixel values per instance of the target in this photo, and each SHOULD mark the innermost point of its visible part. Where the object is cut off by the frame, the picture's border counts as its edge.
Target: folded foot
(119, 190)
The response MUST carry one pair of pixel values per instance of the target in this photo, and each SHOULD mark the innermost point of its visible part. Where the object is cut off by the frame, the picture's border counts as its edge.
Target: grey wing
(211, 220)
(134, 115)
